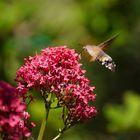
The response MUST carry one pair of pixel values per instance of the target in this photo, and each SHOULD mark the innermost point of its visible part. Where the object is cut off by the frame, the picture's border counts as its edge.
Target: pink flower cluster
(57, 70)
(77, 100)
(13, 118)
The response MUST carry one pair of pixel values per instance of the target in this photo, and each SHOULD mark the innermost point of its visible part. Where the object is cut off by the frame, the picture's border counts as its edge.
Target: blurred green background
(27, 26)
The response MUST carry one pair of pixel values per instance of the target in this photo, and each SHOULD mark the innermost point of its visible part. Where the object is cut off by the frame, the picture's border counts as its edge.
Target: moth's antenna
(108, 42)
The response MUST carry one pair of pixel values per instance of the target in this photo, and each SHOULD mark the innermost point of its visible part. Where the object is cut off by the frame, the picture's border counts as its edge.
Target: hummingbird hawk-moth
(96, 53)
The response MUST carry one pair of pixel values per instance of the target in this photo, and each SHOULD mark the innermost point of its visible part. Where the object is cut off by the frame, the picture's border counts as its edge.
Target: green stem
(61, 132)
(58, 136)
(42, 129)
(43, 125)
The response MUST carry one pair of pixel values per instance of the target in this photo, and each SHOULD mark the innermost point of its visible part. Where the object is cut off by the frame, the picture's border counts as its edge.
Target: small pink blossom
(12, 114)
(57, 70)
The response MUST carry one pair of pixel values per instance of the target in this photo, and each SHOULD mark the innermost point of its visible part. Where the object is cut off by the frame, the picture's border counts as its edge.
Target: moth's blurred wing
(108, 42)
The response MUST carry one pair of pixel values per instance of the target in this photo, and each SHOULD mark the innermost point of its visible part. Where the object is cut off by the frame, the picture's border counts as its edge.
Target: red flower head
(57, 70)
(13, 118)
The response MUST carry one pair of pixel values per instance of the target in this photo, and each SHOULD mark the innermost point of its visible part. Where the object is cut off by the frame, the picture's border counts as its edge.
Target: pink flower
(77, 98)
(57, 70)
(12, 113)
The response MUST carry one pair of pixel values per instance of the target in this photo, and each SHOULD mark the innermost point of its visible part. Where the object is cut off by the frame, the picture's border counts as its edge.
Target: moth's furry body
(96, 53)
